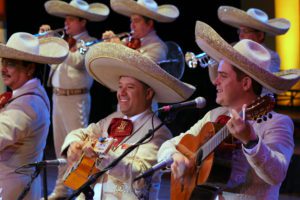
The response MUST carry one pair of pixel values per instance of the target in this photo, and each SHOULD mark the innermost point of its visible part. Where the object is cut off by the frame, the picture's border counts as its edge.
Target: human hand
(179, 166)
(110, 36)
(74, 151)
(240, 128)
(88, 149)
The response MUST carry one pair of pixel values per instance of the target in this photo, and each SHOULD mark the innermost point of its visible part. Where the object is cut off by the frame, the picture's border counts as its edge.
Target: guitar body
(195, 175)
(200, 149)
(79, 173)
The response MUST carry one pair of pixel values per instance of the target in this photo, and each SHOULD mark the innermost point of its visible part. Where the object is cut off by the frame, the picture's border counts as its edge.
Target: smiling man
(137, 80)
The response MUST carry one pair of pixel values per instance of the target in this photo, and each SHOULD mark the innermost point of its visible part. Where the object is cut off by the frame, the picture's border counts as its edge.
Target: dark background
(28, 15)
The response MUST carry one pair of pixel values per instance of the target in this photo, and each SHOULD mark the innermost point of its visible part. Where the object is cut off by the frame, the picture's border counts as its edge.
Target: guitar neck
(213, 143)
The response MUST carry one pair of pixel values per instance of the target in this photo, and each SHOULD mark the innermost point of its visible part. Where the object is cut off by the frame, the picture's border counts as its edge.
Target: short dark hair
(257, 88)
(38, 71)
(148, 20)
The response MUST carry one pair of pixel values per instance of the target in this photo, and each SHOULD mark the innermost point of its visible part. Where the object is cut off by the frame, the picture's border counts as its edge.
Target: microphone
(57, 162)
(199, 102)
(156, 167)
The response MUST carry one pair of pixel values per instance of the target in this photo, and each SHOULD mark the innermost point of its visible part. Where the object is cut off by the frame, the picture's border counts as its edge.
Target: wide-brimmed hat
(147, 8)
(106, 62)
(253, 18)
(248, 56)
(78, 8)
(27, 47)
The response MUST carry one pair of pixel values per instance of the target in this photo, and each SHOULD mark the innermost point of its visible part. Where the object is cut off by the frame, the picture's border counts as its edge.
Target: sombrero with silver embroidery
(106, 62)
(253, 18)
(147, 8)
(248, 56)
(78, 8)
(27, 47)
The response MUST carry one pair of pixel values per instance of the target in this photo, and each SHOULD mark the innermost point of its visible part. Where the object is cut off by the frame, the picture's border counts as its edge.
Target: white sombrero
(78, 8)
(248, 56)
(147, 8)
(253, 18)
(27, 47)
(106, 62)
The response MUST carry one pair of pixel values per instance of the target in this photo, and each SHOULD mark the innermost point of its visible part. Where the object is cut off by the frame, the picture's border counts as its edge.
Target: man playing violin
(143, 15)
(70, 81)
(119, 68)
(260, 165)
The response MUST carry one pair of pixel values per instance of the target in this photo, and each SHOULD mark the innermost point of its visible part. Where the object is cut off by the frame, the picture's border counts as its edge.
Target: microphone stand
(94, 177)
(35, 174)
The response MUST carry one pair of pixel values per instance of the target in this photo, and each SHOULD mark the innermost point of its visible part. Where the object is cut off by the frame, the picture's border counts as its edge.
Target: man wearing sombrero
(143, 14)
(25, 111)
(261, 164)
(70, 80)
(254, 24)
(137, 80)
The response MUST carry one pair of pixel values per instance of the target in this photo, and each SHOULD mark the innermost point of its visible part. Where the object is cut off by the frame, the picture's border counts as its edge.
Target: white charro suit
(116, 184)
(70, 112)
(153, 47)
(24, 125)
(259, 175)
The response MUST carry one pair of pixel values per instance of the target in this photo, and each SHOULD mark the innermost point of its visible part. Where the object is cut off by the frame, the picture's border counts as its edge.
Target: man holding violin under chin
(70, 81)
(143, 14)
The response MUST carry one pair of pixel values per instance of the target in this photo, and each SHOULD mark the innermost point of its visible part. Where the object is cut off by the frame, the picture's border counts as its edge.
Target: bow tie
(4, 98)
(120, 128)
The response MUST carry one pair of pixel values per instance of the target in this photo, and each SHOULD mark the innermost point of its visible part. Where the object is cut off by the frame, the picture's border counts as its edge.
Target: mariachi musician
(120, 69)
(142, 15)
(261, 163)
(70, 81)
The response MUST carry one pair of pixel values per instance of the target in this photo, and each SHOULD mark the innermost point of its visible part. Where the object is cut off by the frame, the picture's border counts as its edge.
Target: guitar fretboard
(212, 144)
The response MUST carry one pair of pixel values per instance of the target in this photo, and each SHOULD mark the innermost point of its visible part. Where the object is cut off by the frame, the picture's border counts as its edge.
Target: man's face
(74, 25)
(139, 26)
(251, 34)
(229, 89)
(133, 96)
(14, 73)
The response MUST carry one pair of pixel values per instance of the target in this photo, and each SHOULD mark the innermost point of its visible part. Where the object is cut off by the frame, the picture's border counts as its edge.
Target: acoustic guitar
(200, 148)
(80, 171)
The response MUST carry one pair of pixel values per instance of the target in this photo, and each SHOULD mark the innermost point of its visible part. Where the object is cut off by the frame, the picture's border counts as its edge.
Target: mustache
(5, 74)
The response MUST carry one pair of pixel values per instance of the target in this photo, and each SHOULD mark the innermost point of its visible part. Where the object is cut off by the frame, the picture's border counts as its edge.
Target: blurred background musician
(70, 81)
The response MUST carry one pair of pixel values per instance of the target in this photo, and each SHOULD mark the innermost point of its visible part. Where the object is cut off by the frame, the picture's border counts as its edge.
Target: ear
(31, 69)
(83, 22)
(149, 93)
(246, 83)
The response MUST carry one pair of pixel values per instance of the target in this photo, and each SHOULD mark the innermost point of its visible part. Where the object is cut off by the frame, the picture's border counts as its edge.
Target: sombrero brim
(107, 62)
(96, 12)
(165, 13)
(236, 18)
(52, 50)
(210, 42)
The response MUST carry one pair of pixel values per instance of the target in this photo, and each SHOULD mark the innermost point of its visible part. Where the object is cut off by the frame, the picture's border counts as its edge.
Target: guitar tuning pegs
(270, 115)
(259, 120)
(264, 118)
